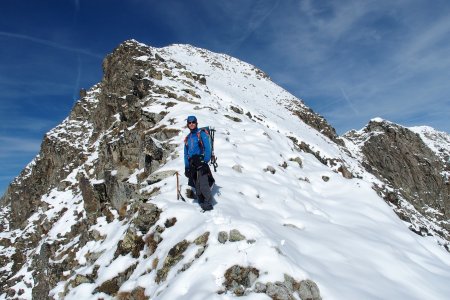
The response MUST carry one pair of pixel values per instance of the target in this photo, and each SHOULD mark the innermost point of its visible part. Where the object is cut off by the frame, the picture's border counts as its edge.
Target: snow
(438, 141)
(338, 233)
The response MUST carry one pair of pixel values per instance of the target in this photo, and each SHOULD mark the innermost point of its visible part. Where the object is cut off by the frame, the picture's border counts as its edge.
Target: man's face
(192, 125)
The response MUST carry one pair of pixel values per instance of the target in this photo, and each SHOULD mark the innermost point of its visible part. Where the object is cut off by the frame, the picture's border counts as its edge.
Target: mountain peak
(295, 213)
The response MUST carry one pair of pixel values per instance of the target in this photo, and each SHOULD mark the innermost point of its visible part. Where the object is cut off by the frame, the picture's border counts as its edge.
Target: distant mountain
(299, 212)
(413, 166)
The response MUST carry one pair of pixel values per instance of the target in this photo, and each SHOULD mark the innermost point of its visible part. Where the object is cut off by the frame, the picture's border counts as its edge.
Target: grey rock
(237, 168)
(297, 160)
(238, 278)
(270, 169)
(147, 216)
(260, 287)
(278, 291)
(410, 171)
(314, 120)
(222, 237)
(309, 290)
(236, 236)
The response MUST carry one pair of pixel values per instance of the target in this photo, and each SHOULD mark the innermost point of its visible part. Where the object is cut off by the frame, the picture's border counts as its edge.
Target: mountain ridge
(96, 215)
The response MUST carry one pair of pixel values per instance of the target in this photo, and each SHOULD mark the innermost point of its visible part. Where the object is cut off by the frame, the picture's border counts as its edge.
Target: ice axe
(178, 188)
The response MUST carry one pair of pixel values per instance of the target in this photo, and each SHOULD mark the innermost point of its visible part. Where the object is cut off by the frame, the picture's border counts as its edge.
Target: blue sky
(350, 61)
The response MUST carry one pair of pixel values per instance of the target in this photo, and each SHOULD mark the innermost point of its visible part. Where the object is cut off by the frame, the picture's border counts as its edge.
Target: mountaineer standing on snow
(197, 154)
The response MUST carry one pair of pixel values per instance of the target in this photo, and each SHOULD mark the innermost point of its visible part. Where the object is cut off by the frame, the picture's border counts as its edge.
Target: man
(197, 154)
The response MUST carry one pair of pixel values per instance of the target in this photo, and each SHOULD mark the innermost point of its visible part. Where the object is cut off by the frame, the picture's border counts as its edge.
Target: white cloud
(13, 145)
(381, 55)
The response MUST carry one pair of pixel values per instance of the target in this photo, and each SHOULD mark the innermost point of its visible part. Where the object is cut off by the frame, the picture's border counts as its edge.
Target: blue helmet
(192, 119)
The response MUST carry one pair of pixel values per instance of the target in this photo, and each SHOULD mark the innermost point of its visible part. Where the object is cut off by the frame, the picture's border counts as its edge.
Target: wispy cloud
(78, 78)
(11, 146)
(24, 123)
(381, 55)
(49, 43)
(256, 15)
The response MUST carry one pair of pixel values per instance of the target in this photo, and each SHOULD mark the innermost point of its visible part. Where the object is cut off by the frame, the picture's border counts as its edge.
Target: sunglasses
(192, 123)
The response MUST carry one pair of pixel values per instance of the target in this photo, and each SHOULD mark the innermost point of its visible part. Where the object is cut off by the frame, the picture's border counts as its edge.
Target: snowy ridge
(299, 217)
(438, 141)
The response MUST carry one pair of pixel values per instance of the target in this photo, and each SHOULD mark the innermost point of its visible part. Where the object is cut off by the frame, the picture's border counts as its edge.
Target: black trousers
(202, 180)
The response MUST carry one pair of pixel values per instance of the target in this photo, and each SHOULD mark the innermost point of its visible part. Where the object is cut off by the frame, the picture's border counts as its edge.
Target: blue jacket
(192, 146)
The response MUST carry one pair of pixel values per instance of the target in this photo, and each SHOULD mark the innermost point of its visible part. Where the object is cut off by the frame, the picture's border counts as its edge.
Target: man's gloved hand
(204, 168)
(187, 172)
(196, 161)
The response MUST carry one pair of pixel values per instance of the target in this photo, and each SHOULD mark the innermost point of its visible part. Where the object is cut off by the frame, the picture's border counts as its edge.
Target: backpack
(210, 134)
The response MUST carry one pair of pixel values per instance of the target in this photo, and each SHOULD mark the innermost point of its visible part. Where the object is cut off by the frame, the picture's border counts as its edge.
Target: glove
(205, 168)
(187, 172)
(196, 161)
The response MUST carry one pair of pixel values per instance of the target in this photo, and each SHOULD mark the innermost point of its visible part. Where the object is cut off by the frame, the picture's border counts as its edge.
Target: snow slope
(304, 220)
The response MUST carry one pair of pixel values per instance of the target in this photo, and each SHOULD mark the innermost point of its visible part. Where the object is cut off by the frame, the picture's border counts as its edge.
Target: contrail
(349, 102)
(49, 43)
(77, 82)
(253, 27)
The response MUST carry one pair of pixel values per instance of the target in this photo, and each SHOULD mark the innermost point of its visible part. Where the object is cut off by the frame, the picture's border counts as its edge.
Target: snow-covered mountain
(96, 216)
(413, 167)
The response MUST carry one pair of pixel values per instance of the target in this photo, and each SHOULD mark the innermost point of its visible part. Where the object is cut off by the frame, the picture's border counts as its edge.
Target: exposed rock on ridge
(412, 174)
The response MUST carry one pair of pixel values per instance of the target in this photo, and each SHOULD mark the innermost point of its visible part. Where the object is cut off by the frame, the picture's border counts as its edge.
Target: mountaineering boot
(207, 207)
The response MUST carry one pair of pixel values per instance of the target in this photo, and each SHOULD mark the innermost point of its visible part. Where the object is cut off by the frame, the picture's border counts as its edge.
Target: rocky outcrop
(410, 170)
(242, 281)
(314, 120)
(108, 126)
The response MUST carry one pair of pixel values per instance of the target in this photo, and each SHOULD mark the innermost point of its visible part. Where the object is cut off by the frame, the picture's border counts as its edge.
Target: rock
(137, 294)
(153, 154)
(222, 237)
(238, 278)
(270, 169)
(345, 172)
(279, 292)
(131, 243)
(400, 159)
(235, 119)
(325, 178)
(157, 177)
(309, 290)
(174, 256)
(297, 160)
(90, 197)
(202, 239)
(152, 242)
(111, 286)
(147, 216)
(314, 120)
(236, 236)
(260, 287)
(170, 222)
(237, 109)
(237, 168)
(80, 279)
(83, 93)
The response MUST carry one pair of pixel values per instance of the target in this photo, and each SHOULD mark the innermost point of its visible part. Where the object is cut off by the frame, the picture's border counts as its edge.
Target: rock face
(99, 125)
(411, 173)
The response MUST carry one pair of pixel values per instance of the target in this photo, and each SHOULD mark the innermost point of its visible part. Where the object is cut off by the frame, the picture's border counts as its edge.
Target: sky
(350, 61)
